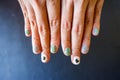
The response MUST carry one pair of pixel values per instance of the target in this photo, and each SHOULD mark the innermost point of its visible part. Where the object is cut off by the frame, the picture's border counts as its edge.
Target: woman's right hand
(79, 19)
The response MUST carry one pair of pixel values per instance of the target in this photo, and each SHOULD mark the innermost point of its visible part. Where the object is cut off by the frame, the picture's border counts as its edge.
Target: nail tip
(95, 32)
(27, 32)
(84, 52)
(43, 58)
(84, 49)
(36, 50)
(67, 52)
(76, 60)
(53, 49)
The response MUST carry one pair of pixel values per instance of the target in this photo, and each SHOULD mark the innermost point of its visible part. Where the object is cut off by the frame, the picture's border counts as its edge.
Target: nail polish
(67, 52)
(53, 49)
(27, 32)
(36, 49)
(43, 58)
(76, 60)
(84, 49)
(95, 31)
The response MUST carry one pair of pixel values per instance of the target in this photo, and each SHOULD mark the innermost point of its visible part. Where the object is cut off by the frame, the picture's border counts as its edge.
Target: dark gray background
(17, 62)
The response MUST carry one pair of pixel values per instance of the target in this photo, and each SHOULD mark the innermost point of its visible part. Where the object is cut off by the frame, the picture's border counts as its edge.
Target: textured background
(17, 62)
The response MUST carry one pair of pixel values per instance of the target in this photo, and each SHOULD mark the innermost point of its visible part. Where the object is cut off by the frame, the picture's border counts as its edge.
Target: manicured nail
(53, 49)
(84, 49)
(43, 58)
(95, 31)
(67, 52)
(35, 49)
(27, 32)
(76, 60)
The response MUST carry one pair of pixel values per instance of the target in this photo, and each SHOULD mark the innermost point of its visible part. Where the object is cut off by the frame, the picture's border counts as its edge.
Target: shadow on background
(17, 62)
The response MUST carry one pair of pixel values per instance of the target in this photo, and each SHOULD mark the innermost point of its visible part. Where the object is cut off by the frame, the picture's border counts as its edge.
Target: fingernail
(27, 32)
(53, 49)
(95, 31)
(76, 60)
(84, 49)
(67, 52)
(35, 49)
(43, 58)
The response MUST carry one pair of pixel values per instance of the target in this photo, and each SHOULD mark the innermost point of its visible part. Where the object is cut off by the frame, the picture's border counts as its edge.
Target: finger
(53, 9)
(36, 46)
(77, 29)
(96, 23)
(66, 22)
(42, 22)
(26, 19)
(88, 26)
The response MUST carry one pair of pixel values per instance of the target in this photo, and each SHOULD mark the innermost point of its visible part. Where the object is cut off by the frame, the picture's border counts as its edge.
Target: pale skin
(70, 21)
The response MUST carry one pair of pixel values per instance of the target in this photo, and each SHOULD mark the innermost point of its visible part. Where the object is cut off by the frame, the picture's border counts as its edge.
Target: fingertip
(53, 49)
(84, 49)
(27, 33)
(45, 58)
(75, 59)
(67, 51)
(36, 50)
(75, 56)
(95, 31)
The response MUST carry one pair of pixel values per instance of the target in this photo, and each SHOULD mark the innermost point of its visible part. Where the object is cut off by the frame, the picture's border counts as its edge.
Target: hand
(42, 22)
(80, 18)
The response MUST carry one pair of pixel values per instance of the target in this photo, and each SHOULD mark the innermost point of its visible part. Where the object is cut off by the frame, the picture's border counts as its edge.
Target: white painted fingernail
(27, 32)
(35, 50)
(43, 58)
(95, 31)
(76, 60)
(84, 49)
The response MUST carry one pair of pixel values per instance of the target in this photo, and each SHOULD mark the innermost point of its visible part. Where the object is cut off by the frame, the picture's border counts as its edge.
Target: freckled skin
(71, 21)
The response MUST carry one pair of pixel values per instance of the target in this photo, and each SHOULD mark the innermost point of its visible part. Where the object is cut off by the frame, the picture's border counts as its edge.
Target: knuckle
(87, 22)
(66, 26)
(90, 9)
(67, 2)
(32, 21)
(54, 24)
(98, 11)
(25, 14)
(43, 30)
(37, 2)
(78, 29)
(81, 2)
(51, 2)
